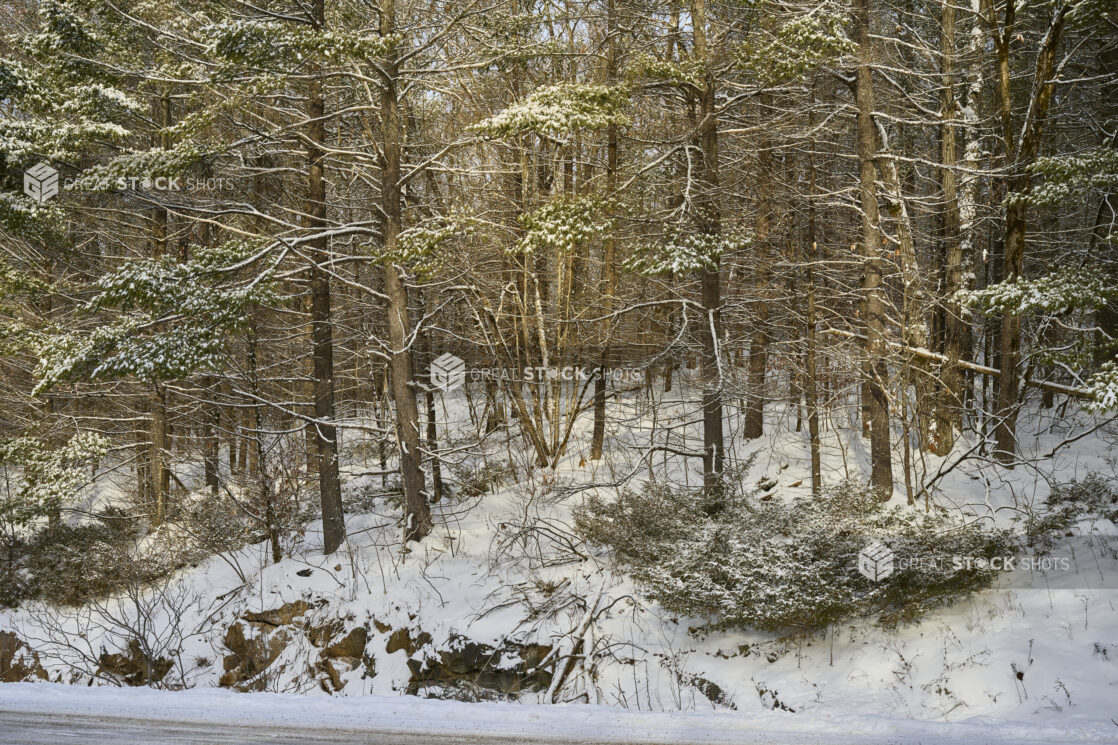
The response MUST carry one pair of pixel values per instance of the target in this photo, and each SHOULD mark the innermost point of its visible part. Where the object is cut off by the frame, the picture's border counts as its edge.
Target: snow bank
(600, 724)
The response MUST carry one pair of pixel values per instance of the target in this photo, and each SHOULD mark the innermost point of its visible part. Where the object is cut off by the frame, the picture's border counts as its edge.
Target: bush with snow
(788, 567)
(1091, 498)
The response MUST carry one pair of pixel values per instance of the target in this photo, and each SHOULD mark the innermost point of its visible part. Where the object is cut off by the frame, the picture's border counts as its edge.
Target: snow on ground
(1028, 661)
(597, 724)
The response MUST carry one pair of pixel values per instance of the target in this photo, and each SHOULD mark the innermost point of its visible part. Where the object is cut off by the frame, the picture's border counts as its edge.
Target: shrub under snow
(788, 567)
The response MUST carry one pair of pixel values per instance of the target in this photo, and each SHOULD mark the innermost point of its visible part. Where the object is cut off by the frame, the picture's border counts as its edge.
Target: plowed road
(20, 728)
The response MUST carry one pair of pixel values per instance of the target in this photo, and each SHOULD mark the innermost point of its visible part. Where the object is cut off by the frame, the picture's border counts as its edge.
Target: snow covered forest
(665, 354)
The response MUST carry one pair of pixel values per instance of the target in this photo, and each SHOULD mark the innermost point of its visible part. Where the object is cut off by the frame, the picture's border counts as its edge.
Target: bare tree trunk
(244, 424)
(811, 386)
(266, 492)
(711, 279)
(231, 442)
(417, 511)
(1106, 223)
(914, 326)
(432, 426)
(380, 381)
(754, 425)
(433, 448)
(881, 462)
(1020, 154)
(258, 468)
(609, 272)
(157, 464)
(310, 432)
(949, 405)
(211, 447)
(811, 380)
(326, 441)
(495, 407)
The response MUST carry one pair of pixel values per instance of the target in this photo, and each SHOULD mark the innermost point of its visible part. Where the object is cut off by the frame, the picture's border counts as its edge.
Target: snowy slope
(1017, 662)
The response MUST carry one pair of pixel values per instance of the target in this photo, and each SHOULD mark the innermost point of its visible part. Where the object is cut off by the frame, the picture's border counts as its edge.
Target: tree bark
(811, 373)
(754, 425)
(710, 222)
(417, 511)
(1020, 154)
(881, 463)
(609, 271)
(322, 339)
(432, 434)
(157, 461)
(949, 406)
(211, 447)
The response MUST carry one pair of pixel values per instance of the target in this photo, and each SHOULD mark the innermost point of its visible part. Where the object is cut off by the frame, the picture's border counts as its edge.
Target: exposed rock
(18, 662)
(712, 691)
(334, 670)
(464, 669)
(353, 645)
(335, 667)
(250, 657)
(282, 616)
(258, 639)
(402, 639)
(135, 668)
(770, 700)
(322, 635)
(469, 665)
(344, 656)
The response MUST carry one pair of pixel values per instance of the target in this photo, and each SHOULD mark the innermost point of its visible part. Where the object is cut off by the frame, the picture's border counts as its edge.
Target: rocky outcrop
(135, 667)
(343, 657)
(285, 615)
(250, 656)
(257, 640)
(713, 692)
(470, 670)
(305, 641)
(18, 662)
(405, 640)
